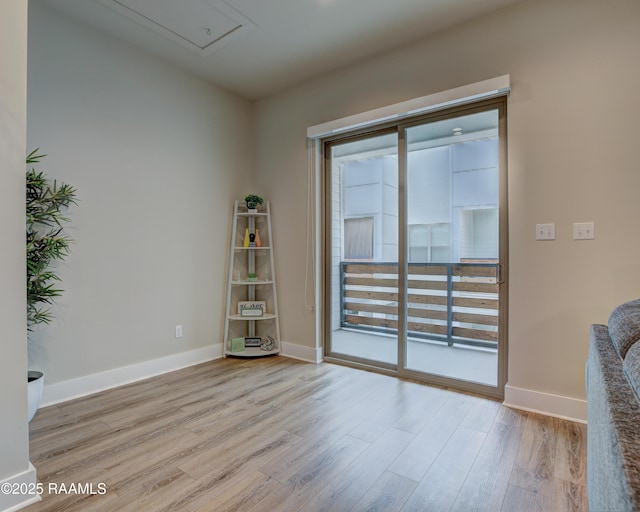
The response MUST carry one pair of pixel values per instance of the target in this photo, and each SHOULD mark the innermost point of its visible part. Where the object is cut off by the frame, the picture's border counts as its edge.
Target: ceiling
(256, 48)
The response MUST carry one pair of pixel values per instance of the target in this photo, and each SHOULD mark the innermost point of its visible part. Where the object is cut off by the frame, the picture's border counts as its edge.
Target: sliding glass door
(416, 248)
(453, 225)
(363, 251)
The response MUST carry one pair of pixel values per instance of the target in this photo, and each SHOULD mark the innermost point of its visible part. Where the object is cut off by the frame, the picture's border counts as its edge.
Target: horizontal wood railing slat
(393, 324)
(371, 308)
(393, 283)
(470, 286)
(472, 318)
(386, 268)
(371, 281)
(475, 303)
(475, 334)
(427, 270)
(458, 286)
(474, 271)
(393, 297)
(426, 285)
(393, 310)
(359, 268)
(428, 328)
(440, 300)
(371, 295)
(431, 314)
(368, 320)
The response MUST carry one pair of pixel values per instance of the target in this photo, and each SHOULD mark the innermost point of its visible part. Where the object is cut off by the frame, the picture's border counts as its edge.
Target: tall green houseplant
(47, 203)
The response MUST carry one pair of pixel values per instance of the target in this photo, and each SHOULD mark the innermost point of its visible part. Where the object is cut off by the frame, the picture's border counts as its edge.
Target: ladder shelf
(251, 284)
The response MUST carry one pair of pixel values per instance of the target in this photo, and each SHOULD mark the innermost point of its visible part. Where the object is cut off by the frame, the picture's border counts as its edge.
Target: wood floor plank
(276, 434)
(570, 496)
(535, 463)
(512, 416)
(243, 495)
(448, 471)
(255, 450)
(388, 494)
(143, 463)
(118, 399)
(293, 494)
(571, 451)
(417, 458)
(152, 480)
(104, 445)
(350, 485)
(523, 500)
(315, 441)
(376, 425)
(49, 420)
(421, 411)
(486, 484)
(187, 495)
(190, 494)
(59, 440)
(75, 503)
(125, 461)
(482, 415)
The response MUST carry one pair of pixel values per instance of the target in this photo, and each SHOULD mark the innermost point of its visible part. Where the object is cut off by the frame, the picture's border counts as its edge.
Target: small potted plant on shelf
(46, 202)
(253, 201)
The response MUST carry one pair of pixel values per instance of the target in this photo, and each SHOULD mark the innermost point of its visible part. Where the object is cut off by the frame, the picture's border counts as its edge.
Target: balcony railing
(447, 302)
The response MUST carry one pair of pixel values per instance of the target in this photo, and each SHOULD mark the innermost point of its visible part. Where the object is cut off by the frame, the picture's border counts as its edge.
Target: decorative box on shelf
(251, 308)
(237, 345)
(252, 341)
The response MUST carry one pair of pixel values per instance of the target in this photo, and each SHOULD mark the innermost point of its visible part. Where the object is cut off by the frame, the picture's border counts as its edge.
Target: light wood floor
(280, 435)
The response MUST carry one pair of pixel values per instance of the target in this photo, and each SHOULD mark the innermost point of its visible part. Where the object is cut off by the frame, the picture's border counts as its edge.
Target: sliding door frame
(400, 127)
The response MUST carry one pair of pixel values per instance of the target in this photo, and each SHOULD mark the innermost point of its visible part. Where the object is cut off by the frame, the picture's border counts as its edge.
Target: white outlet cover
(545, 231)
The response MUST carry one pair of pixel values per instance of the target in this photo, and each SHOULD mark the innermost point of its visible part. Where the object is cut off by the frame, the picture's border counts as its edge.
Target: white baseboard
(294, 351)
(26, 480)
(83, 386)
(564, 407)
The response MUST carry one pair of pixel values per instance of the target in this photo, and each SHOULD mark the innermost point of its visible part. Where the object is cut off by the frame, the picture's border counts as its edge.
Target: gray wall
(14, 441)
(157, 157)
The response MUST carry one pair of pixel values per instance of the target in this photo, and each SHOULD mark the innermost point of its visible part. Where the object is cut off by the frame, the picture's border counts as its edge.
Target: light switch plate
(583, 231)
(545, 231)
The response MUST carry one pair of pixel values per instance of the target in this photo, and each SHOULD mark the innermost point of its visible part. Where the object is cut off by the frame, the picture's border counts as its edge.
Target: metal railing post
(342, 290)
(449, 304)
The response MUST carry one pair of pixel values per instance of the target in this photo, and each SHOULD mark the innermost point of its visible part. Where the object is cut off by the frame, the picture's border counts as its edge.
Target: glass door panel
(362, 255)
(453, 201)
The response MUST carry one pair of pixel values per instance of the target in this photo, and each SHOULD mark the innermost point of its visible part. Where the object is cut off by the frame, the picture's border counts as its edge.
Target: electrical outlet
(178, 331)
(583, 231)
(545, 231)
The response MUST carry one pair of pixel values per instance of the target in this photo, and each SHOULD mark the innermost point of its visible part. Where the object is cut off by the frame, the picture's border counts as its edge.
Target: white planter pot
(35, 385)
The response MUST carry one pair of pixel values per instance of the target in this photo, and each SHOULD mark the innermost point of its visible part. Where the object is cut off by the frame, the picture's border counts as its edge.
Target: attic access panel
(203, 26)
